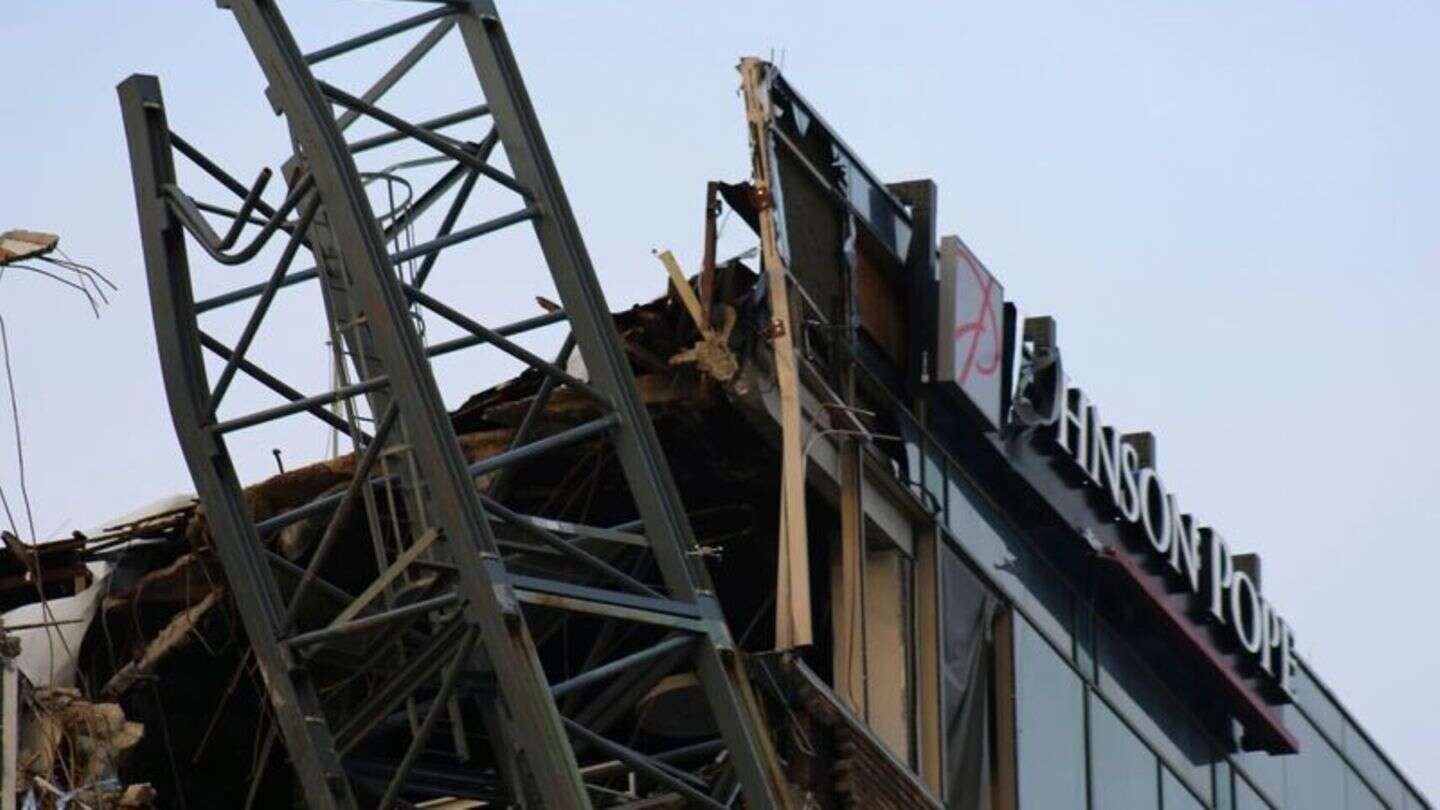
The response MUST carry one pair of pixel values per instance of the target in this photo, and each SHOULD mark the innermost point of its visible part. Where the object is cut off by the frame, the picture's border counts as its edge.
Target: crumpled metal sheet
(47, 653)
(55, 629)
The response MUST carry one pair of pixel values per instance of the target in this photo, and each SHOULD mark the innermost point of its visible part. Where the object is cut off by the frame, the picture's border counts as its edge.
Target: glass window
(1123, 772)
(1009, 562)
(1358, 796)
(1246, 798)
(1224, 794)
(1317, 705)
(1266, 772)
(966, 610)
(1162, 720)
(1414, 802)
(1315, 777)
(1175, 796)
(1050, 725)
(934, 479)
(1368, 762)
(912, 456)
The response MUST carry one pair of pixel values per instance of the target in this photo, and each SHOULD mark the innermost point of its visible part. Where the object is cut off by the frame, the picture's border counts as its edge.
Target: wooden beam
(685, 291)
(792, 602)
(707, 264)
(1005, 791)
(929, 675)
(848, 594)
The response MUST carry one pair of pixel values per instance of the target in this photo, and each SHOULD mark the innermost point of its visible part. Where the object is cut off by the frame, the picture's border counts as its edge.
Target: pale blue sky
(1230, 207)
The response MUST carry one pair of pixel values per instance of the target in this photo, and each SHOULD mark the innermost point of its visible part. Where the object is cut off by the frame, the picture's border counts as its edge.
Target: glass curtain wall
(1124, 774)
(1074, 750)
(1057, 671)
(1049, 726)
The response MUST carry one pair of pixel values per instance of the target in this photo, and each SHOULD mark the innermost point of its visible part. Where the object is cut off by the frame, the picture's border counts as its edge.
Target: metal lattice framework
(447, 609)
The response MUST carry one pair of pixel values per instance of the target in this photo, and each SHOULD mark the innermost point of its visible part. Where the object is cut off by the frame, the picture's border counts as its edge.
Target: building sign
(1195, 557)
(971, 352)
(1006, 372)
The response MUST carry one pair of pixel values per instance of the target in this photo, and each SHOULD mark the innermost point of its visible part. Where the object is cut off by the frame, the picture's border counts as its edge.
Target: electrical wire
(39, 573)
(15, 419)
(94, 278)
(84, 272)
(67, 282)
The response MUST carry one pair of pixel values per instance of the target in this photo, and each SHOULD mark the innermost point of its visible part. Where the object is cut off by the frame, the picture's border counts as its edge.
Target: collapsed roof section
(483, 610)
(506, 603)
(166, 646)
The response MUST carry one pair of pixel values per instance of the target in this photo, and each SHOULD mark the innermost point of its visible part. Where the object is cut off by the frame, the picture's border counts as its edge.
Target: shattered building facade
(824, 526)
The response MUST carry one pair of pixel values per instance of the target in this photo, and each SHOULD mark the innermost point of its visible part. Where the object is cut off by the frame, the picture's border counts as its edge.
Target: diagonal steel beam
(726, 685)
(490, 601)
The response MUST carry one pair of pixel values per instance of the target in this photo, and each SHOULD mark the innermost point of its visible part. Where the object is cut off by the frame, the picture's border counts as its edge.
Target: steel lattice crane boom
(445, 608)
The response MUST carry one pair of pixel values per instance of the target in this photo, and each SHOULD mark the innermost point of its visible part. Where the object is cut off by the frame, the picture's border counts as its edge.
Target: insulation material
(70, 749)
(711, 353)
(889, 706)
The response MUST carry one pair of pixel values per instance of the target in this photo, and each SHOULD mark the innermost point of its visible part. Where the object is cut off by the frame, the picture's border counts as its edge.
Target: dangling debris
(17, 245)
(71, 749)
(21, 245)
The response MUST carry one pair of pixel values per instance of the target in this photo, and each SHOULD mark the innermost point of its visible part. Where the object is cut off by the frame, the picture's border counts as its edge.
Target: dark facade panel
(968, 608)
(1050, 726)
(1168, 722)
(1124, 773)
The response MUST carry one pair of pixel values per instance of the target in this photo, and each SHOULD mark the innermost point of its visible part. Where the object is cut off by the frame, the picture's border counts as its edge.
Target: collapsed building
(160, 617)
(825, 525)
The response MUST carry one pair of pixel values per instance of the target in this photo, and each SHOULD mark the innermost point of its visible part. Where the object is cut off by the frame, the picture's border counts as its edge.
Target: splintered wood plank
(792, 599)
